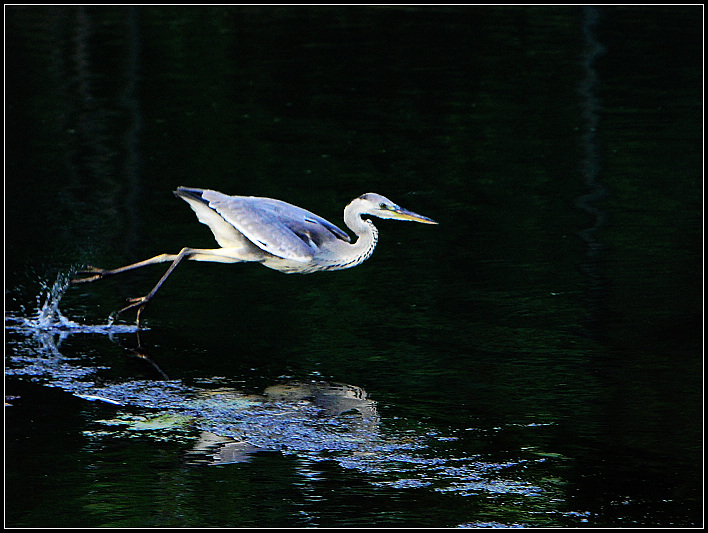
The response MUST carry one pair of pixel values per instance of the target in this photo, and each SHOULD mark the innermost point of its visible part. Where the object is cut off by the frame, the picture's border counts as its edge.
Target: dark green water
(535, 359)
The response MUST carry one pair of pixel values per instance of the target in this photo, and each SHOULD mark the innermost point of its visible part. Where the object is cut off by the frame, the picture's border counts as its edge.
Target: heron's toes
(134, 302)
(92, 274)
(139, 302)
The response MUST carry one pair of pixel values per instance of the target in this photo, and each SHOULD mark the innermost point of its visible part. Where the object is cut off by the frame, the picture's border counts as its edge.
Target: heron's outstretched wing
(279, 228)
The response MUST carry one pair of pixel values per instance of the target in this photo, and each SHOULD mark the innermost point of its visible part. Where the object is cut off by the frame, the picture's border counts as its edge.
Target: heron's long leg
(218, 255)
(142, 301)
(94, 273)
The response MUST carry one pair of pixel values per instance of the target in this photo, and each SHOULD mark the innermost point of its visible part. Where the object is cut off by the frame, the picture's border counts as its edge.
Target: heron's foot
(139, 302)
(92, 274)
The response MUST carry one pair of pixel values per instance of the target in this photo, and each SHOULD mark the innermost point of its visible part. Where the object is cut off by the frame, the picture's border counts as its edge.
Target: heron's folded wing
(276, 227)
(301, 220)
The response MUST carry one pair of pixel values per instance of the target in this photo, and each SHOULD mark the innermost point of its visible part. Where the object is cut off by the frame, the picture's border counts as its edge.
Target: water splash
(48, 318)
(48, 315)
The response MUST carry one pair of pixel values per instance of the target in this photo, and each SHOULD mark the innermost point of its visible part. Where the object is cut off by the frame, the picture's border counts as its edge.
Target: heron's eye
(383, 206)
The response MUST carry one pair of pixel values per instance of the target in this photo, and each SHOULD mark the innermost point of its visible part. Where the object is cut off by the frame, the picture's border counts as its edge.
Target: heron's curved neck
(366, 232)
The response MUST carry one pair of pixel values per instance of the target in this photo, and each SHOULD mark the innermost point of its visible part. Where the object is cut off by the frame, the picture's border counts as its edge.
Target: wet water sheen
(533, 360)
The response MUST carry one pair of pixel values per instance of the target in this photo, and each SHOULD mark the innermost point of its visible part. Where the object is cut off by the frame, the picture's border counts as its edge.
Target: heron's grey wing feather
(302, 220)
(276, 227)
(225, 233)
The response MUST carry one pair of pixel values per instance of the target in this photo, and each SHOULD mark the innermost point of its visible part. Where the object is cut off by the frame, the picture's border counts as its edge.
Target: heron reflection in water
(274, 233)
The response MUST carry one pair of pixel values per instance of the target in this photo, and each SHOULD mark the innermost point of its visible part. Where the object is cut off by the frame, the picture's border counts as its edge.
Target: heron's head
(381, 207)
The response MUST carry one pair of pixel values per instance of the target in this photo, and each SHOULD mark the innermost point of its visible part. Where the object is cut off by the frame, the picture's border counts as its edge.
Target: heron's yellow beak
(403, 214)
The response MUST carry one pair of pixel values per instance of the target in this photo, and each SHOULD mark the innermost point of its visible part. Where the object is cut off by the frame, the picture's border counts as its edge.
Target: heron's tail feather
(188, 192)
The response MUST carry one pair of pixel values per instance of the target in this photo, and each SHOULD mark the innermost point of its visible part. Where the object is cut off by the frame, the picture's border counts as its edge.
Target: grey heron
(274, 233)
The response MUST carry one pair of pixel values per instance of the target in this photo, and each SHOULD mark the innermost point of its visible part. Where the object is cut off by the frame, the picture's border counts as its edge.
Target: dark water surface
(533, 360)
